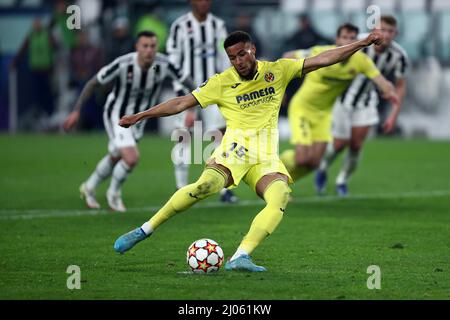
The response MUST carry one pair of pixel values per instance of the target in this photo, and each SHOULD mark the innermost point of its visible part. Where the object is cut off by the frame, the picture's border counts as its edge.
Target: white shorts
(210, 116)
(345, 118)
(119, 137)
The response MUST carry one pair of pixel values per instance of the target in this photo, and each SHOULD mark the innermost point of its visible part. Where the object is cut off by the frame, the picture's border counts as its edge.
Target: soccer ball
(204, 256)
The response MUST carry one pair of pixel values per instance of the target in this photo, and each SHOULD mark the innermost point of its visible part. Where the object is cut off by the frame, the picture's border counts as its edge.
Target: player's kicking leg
(102, 171)
(212, 180)
(274, 189)
(123, 168)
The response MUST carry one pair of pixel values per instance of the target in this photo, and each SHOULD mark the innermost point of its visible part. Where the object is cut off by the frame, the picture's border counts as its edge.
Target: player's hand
(190, 119)
(392, 98)
(71, 120)
(375, 37)
(127, 121)
(389, 124)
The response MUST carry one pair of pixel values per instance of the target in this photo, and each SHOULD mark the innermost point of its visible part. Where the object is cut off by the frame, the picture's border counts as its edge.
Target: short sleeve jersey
(321, 87)
(250, 104)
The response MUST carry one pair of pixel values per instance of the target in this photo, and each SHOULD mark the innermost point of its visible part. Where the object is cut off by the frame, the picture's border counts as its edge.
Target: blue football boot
(243, 263)
(321, 182)
(228, 197)
(341, 190)
(129, 240)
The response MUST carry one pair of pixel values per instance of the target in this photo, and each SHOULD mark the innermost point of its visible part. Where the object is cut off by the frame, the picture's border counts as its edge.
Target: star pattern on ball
(193, 250)
(203, 265)
(205, 256)
(210, 247)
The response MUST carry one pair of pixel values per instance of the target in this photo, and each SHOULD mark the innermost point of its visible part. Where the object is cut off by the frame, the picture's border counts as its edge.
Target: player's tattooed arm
(389, 123)
(86, 93)
(400, 89)
(389, 92)
(339, 54)
(387, 89)
(168, 108)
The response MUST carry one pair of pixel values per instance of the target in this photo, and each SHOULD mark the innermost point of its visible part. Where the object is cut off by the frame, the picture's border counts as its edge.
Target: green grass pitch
(397, 217)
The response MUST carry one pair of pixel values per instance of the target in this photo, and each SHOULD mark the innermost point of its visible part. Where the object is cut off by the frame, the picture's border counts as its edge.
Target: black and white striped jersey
(135, 89)
(392, 63)
(197, 47)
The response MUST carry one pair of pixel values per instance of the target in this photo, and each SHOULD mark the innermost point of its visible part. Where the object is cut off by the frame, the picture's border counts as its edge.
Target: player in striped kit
(195, 46)
(355, 111)
(137, 78)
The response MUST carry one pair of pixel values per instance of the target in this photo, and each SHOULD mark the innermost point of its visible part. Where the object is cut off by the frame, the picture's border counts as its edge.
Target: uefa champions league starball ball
(204, 256)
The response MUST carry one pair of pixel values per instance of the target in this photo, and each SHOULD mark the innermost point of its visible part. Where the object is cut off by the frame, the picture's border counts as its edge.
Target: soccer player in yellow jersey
(310, 109)
(249, 95)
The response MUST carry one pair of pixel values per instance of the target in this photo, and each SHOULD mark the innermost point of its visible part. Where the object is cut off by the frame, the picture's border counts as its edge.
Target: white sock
(239, 252)
(181, 175)
(348, 167)
(119, 175)
(329, 157)
(181, 157)
(101, 172)
(147, 228)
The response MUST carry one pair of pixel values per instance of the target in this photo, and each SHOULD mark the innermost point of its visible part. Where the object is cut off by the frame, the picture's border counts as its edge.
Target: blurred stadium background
(33, 101)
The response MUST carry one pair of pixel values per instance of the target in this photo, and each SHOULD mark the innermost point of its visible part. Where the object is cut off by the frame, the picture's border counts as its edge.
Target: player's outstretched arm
(400, 89)
(388, 92)
(86, 93)
(168, 108)
(389, 123)
(387, 89)
(339, 54)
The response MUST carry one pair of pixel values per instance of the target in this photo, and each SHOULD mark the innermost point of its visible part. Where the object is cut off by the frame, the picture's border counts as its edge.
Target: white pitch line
(17, 214)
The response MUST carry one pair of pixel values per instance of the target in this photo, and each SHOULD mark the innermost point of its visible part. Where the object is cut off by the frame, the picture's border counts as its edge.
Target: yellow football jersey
(250, 104)
(249, 148)
(321, 87)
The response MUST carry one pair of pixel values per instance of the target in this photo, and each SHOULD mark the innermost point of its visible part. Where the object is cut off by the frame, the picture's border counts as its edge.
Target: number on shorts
(240, 152)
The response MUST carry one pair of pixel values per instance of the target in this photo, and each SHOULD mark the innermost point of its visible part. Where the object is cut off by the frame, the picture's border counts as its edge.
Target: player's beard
(251, 72)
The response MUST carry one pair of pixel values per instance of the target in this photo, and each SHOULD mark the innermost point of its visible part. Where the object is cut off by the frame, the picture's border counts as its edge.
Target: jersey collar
(256, 76)
(208, 16)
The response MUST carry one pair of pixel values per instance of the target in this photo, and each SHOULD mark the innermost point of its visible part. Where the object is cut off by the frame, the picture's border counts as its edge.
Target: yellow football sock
(210, 182)
(296, 172)
(265, 222)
